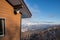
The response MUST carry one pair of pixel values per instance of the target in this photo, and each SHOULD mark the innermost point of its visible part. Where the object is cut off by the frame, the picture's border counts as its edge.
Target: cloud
(24, 29)
(35, 10)
(29, 22)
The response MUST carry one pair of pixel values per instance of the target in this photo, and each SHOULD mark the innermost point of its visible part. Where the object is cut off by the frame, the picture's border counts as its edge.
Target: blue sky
(43, 11)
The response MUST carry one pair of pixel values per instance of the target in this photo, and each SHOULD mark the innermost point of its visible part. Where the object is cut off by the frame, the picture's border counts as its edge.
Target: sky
(43, 11)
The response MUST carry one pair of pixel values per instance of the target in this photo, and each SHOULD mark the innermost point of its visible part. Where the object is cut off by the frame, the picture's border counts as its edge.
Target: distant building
(11, 13)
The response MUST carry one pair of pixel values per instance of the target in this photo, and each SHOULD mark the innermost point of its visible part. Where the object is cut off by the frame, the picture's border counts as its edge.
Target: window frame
(3, 26)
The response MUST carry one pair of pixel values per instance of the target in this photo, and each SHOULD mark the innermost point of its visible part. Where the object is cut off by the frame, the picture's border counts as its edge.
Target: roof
(21, 6)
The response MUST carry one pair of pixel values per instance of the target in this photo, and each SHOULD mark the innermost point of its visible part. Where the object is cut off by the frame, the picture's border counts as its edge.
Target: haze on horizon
(43, 12)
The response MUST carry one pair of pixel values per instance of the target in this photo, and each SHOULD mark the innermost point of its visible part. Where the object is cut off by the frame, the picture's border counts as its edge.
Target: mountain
(41, 32)
(36, 27)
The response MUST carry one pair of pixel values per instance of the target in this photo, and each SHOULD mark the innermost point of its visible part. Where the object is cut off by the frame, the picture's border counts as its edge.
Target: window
(2, 27)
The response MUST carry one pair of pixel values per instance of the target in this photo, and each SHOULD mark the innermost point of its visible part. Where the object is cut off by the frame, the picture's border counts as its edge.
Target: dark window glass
(2, 27)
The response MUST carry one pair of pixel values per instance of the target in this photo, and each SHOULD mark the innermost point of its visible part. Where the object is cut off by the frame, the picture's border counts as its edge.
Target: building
(11, 13)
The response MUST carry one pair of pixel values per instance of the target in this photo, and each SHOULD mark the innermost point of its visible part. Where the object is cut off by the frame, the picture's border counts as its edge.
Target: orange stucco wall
(12, 21)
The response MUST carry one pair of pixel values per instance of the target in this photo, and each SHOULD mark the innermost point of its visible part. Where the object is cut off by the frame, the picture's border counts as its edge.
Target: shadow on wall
(11, 35)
